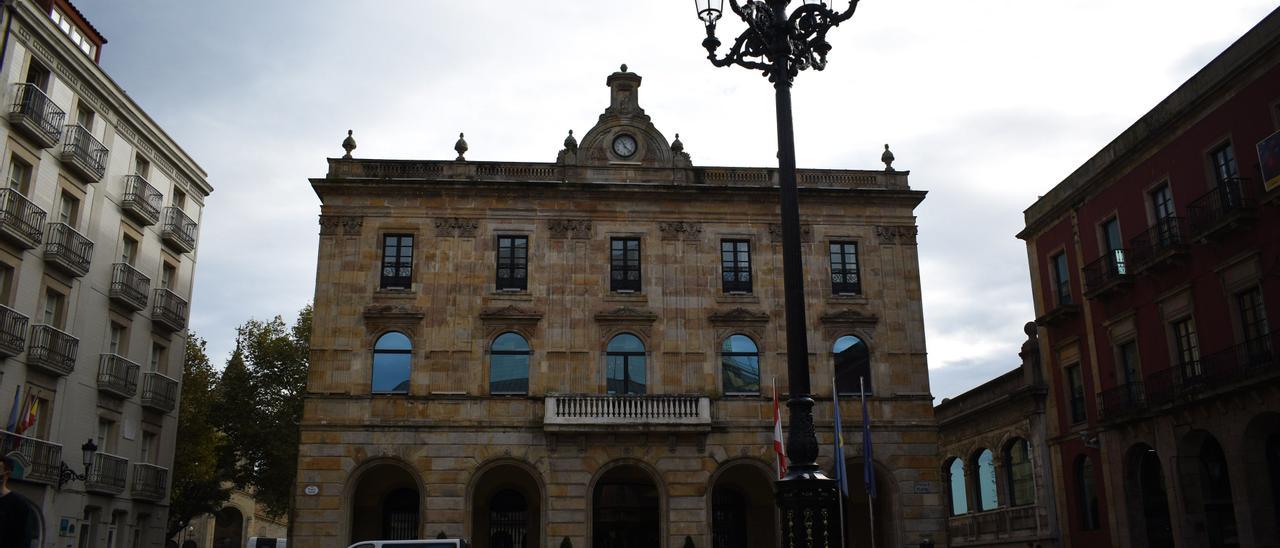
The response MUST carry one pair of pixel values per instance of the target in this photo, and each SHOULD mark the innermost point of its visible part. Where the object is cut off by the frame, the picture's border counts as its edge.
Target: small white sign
(311, 490)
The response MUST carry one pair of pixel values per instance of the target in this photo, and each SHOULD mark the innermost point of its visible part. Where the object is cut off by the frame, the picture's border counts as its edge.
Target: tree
(199, 481)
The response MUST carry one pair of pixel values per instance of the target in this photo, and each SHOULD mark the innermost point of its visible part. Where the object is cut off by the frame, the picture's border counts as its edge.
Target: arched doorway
(506, 507)
(1207, 487)
(625, 509)
(858, 510)
(1262, 461)
(1147, 498)
(743, 513)
(386, 505)
(228, 528)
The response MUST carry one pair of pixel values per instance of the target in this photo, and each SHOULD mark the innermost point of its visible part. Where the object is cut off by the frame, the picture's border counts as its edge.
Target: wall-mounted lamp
(65, 473)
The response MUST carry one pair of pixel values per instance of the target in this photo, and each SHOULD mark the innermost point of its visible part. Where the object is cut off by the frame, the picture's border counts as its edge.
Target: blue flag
(13, 413)
(841, 474)
(868, 468)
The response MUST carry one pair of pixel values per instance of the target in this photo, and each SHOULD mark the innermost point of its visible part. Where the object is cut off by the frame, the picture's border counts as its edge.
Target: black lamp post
(780, 46)
(65, 473)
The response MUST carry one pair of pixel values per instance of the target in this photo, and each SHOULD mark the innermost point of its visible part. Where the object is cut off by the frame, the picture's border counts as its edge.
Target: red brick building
(1156, 275)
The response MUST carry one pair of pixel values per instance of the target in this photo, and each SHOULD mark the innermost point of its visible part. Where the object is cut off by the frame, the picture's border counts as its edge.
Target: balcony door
(1115, 245)
(625, 365)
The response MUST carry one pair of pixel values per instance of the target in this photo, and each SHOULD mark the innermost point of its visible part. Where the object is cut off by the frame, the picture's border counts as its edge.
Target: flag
(868, 468)
(32, 414)
(840, 472)
(26, 413)
(777, 435)
(13, 413)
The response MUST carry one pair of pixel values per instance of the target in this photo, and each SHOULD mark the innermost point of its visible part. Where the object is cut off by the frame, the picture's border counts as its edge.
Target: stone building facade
(99, 217)
(240, 519)
(523, 353)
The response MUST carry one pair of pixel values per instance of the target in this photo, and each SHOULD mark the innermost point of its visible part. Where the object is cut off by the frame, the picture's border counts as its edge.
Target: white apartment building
(99, 216)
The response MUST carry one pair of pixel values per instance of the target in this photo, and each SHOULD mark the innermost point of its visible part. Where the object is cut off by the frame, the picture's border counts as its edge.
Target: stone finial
(348, 144)
(688, 542)
(566, 543)
(676, 146)
(461, 148)
(623, 68)
(887, 158)
(570, 144)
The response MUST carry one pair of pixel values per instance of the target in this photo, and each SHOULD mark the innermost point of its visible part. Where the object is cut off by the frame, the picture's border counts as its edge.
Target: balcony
(995, 526)
(21, 221)
(107, 475)
(150, 482)
(1123, 400)
(52, 350)
(141, 200)
(1061, 314)
(1251, 359)
(169, 311)
(159, 392)
(83, 154)
(179, 230)
(1107, 274)
(129, 287)
(1230, 205)
(117, 376)
(13, 332)
(67, 249)
(35, 115)
(1163, 244)
(41, 458)
(643, 413)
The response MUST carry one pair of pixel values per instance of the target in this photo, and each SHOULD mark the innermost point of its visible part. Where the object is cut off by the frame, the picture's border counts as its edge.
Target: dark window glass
(1129, 362)
(624, 264)
(1076, 385)
(1188, 346)
(1253, 324)
(1162, 202)
(392, 355)
(624, 365)
(397, 261)
(1224, 163)
(1086, 489)
(1115, 246)
(740, 365)
(513, 263)
(735, 265)
(1062, 278)
(509, 365)
(844, 268)
(853, 365)
(1022, 488)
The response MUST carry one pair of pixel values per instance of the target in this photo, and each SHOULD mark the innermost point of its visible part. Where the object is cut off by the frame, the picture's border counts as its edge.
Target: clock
(624, 145)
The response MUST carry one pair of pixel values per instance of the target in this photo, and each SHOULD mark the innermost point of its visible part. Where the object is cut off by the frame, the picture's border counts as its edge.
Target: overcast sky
(989, 103)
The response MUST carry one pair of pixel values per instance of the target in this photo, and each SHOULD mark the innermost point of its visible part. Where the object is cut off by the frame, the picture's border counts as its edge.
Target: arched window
(986, 488)
(509, 365)
(1017, 458)
(740, 365)
(959, 494)
(1087, 492)
(853, 365)
(624, 366)
(391, 356)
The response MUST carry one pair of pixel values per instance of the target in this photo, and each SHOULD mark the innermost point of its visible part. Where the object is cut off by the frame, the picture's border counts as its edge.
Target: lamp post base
(809, 505)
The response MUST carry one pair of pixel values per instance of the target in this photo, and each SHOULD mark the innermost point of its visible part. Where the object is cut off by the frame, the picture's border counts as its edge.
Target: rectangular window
(179, 199)
(54, 306)
(1188, 347)
(1162, 202)
(1128, 353)
(735, 266)
(148, 447)
(157, 358)
(19, 177)
(141, 167)
(1061, 278)
(397, 261)
(6, 283)
(128, 250)
(167, 275)
(85, 116)
(1253, 325)
(1115, 246)
(513, 263)
(624, 264)
(37, 75)
(1224, 164)
(117, 339)
(845, 279)
(106, 435)
(68, 209)
(1076, 386)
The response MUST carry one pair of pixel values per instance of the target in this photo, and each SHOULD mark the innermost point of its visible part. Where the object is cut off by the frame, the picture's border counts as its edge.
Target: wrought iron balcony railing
(107, 475)
(1106, 274)
(179, 230)
(21, 221)
(35, 115)
(159, 392)
(117, 376)
(1123, 400)
(1229, 204)
(52, 350)
(150, 482)
(141, 200)
(42, 458)
(613, 412)
(1252, 358)
(168, 310)
(1165, 241)
(13, 332)
(83, 153)
(68, 249)
(129, 287)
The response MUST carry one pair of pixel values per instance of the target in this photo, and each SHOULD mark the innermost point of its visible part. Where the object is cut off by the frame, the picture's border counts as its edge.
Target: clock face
(624, 145)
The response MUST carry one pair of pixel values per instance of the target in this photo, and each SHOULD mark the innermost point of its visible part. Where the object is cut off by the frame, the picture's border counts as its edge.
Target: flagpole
(844, 541)
(871, 503)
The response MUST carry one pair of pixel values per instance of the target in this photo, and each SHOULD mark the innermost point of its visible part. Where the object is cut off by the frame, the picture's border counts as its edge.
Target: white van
(432, 543)
(266, 542)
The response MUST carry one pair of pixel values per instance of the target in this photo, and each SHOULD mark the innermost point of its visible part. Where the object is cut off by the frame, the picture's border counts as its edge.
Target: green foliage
(565, 543)
(198, 479)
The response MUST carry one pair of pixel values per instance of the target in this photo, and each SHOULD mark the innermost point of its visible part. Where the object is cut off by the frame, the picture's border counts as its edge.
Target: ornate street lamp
(65, 473)
(780, 46)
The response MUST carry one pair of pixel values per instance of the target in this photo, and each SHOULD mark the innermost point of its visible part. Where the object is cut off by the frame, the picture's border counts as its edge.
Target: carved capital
(775, 233)
(351, 225)
(329, 224)
(680, 230)
(904, 235)
(456, 227)
(578, 229)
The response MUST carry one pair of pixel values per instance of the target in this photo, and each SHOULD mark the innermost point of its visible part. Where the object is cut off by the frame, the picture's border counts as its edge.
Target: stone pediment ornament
(627, 315)
(510, 314)
(461, 148)
(578, 229)
(680, 230)
(348, 144)
(887, 158)
(737, 316)
(624, 119)
(569, 154)
(849, 317)
(456, 227)
(394, 311)
(905, 235)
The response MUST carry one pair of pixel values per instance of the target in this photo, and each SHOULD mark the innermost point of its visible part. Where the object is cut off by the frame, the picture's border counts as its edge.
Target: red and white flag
(778, 446)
